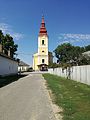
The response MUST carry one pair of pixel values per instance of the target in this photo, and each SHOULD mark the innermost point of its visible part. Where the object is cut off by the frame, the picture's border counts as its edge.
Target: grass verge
(73, 97)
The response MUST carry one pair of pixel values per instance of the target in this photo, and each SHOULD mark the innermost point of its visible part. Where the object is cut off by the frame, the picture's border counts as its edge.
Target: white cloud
(7, 29)
(17, 36)
(64, 38)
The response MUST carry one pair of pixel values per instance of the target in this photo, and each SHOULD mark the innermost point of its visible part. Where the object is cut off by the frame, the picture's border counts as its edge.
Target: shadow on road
(9, 79)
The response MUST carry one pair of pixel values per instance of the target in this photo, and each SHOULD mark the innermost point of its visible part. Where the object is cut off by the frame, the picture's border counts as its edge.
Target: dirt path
(25, 99)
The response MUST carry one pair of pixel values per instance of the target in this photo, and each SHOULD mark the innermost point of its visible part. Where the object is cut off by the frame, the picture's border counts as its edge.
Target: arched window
(42, 42)
(43, 60)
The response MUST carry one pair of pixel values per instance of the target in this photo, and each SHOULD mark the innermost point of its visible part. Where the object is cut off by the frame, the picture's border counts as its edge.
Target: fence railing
(77, 73)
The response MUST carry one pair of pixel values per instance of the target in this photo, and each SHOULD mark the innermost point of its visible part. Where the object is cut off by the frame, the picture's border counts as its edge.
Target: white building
(87, 53)
(23, 67)
(8, 66)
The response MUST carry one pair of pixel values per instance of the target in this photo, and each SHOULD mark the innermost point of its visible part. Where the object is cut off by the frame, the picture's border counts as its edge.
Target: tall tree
(67, 53)
(1, 36)
(87, 48)
(8, 43)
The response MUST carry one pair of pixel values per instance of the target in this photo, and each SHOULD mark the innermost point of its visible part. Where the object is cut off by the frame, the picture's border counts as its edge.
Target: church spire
(43, 19)
(43, 30)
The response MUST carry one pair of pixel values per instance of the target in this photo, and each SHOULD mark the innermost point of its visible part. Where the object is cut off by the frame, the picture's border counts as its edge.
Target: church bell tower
(43, 46)
(42, 55)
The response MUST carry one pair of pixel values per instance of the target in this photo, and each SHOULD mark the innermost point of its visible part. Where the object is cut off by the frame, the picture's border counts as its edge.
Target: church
(41, 58)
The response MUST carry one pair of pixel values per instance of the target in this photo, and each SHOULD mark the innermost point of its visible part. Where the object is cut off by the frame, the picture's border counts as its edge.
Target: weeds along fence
(77, 73)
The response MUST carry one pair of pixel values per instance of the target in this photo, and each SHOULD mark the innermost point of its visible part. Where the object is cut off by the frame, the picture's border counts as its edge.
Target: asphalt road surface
(26, 99)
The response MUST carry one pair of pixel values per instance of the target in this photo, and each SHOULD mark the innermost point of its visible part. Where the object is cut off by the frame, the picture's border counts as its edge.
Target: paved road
(25, 99)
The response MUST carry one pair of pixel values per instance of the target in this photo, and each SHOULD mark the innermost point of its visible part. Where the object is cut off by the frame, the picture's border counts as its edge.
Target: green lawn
(72, 96)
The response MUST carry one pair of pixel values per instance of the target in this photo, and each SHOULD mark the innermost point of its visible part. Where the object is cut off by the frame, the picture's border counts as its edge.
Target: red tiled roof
(43, 30)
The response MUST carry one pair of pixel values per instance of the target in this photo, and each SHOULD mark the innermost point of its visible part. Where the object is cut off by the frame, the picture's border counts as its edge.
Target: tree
(67, 53)
(1, 36)
(87, 48)
(53, 65)
(8, 43)
(85, 60)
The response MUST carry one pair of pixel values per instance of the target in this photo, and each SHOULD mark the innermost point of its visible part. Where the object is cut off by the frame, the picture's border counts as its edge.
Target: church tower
(40, 59)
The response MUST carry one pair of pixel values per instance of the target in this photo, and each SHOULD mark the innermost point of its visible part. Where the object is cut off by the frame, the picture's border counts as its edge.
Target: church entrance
(43, 67)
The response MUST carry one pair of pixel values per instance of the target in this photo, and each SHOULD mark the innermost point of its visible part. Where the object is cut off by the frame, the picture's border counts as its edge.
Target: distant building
(40, 59)
(23, 67)
(87, 53)
(8, 65)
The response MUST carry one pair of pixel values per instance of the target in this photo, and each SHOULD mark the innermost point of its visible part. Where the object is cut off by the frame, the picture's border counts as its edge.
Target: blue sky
(66, 21)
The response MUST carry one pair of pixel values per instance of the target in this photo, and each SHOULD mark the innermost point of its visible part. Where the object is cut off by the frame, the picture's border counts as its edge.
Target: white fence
(77, 73)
